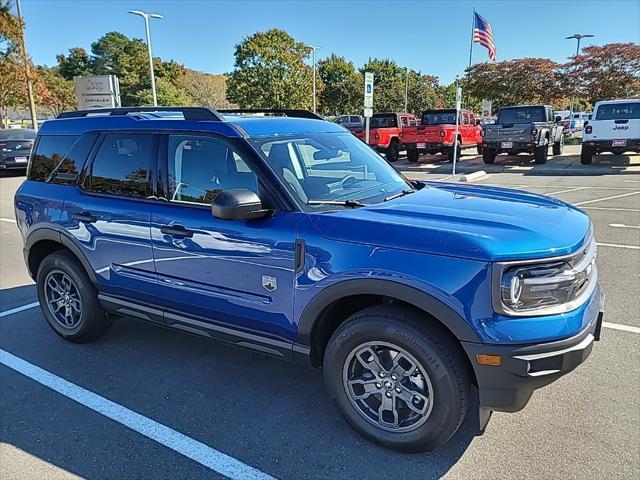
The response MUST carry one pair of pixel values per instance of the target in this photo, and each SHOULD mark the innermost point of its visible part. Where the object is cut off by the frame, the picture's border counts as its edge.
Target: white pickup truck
(614, 127)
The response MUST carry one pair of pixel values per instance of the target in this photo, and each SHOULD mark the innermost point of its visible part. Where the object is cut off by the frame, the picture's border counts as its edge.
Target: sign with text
(486, 108)
(458, 97)
(100, 91)
(368, 90)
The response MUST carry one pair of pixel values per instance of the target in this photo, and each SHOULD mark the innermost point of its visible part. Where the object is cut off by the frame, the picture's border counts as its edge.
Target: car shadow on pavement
(270, 414)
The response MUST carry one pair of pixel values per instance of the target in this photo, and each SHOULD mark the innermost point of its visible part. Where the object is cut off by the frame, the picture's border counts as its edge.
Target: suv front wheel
(397, 378)
(68, 299)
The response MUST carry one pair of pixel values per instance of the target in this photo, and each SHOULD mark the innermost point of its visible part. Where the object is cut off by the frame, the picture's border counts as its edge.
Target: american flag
(483, 34)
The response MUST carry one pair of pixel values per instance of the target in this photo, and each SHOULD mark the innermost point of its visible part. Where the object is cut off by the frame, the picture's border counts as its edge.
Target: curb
(472, 177)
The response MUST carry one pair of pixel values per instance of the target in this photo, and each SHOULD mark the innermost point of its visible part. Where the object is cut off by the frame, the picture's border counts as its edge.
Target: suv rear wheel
(397, 379)
(413, 155)
(540, 153)
(68, 299)
(488, 156)
(449, 151)
(393, 152)
(586, 155)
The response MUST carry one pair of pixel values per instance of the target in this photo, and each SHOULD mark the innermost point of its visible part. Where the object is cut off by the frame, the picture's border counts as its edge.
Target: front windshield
(439, 118)
(330, 167)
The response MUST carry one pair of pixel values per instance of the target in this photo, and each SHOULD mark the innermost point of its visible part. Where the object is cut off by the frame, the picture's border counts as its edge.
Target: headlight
(547, 287)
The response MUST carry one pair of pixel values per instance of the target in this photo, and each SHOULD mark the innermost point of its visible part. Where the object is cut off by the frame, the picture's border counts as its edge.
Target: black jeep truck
(525, 128)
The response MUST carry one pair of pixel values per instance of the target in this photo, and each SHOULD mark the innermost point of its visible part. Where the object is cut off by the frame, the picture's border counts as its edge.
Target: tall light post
(313, 55)
(27, 70)
(578, 37)
(146, 17)
(406, 89)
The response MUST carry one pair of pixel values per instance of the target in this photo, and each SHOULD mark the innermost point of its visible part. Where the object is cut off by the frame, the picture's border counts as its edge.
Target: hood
(470, 221)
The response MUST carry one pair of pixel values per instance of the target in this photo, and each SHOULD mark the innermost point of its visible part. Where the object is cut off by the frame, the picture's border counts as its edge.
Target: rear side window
(619, 111)
(50, 151)
(122, 165)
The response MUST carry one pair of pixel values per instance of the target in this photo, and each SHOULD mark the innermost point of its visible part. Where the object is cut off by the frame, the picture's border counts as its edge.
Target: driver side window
(199, 167)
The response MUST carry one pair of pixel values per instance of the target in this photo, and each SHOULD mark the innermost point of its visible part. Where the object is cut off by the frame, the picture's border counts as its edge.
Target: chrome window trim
(589, 252)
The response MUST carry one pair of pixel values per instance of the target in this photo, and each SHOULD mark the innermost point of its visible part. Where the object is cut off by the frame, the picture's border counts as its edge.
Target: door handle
(84, 217)
(176, 231)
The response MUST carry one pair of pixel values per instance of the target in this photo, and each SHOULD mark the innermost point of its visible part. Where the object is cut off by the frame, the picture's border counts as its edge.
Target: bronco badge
(269, 283)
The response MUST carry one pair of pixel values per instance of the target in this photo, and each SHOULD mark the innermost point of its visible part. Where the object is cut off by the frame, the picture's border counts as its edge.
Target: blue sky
(431, 36)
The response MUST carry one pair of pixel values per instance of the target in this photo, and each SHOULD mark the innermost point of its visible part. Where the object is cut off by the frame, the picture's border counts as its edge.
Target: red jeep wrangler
(390, 132)
(438, 128)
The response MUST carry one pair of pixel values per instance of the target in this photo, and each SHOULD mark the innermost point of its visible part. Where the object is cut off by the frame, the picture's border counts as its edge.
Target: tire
(558, 146)
(540, 154)
(479, 149)
(586, 155)
(61, 269)
(393, 152)
(413, 155)
(449, 151)
(438, 384)
(488, 156)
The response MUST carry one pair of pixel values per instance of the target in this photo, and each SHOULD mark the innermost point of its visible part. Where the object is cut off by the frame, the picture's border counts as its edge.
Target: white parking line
(19, 309)
(624, 328)
(176, 441)
(7, 220)
(615, 245)
(605, 198)
(575, 189)
(622, 225)
(613, 209)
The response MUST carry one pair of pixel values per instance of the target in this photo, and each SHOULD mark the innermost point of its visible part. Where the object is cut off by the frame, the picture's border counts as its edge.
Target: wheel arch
(331, 307)
(45, 240)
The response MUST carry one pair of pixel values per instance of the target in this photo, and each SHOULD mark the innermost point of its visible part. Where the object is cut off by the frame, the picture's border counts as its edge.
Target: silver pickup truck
(526, 128)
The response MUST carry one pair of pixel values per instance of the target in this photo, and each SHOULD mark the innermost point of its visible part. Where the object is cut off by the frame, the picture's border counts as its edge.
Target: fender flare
(369, 286)
(56, 234)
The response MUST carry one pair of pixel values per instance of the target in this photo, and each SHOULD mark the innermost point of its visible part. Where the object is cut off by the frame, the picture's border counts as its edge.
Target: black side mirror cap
(238, 204)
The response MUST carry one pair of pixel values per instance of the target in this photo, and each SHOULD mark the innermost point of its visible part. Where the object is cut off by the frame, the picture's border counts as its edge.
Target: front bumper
(524, 368)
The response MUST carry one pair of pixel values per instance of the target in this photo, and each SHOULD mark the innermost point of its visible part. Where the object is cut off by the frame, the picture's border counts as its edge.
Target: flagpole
(473, 24)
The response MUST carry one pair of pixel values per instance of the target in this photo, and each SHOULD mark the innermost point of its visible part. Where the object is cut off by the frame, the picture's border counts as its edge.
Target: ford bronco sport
(289, 236)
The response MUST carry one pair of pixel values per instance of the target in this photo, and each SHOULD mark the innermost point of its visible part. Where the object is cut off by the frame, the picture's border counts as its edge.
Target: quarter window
(50, 152)
(200, 167)
(122, 165)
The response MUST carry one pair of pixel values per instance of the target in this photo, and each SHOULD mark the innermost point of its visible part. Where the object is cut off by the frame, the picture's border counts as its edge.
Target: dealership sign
(101, 91)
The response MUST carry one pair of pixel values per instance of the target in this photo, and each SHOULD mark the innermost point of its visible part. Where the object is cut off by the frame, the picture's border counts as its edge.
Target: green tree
(270, 72)
(421, 92)
(446, 96)
(205, 89)
(342, 91)
(56, 94)
(12, 82)
(76, 64)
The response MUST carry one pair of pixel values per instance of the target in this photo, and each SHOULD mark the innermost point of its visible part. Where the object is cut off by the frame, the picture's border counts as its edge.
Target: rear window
(384, 121)
(521, 115)
(50, 151)
(17, 134)
(619, 111)
(439, 118)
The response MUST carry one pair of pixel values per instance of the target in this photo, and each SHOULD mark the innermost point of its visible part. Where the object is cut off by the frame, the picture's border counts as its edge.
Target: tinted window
(200, 167)
(521, 115)
(121, 166)
(446, 117)
(50, 151)
(17, 134)
(619, 111)
(384, 121)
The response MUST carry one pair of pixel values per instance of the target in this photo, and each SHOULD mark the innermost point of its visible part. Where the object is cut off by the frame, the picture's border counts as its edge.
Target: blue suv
(285, 234)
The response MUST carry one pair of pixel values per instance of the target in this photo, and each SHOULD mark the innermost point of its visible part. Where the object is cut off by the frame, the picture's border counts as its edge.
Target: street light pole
(406, 90)
(313, 54)
(578, 37)
(146, 17)
(27, 70)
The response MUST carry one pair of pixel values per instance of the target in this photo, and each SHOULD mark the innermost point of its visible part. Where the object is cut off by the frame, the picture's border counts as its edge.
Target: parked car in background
(350, 122)
(524, 128)
(437, 132)
(290, 237)
(15, 147)
(614, 127)
(387, 133)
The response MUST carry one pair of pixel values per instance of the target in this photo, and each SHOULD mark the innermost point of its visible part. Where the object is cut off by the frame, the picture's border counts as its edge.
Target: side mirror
(586, 122)
(558, 118)
(478, 121)
(237, 204)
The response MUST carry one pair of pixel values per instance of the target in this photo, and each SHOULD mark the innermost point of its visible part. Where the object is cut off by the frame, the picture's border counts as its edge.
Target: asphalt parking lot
(273, 419)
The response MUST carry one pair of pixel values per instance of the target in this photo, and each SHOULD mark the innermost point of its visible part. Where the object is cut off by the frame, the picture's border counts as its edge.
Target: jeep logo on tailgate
(621, 127)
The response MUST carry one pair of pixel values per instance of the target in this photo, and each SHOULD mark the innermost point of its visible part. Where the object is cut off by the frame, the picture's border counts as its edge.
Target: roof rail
(189, 113)
(284, 112)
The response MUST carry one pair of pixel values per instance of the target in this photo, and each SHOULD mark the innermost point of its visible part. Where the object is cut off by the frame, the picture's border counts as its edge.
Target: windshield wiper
(344, 203)
(398, 195)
